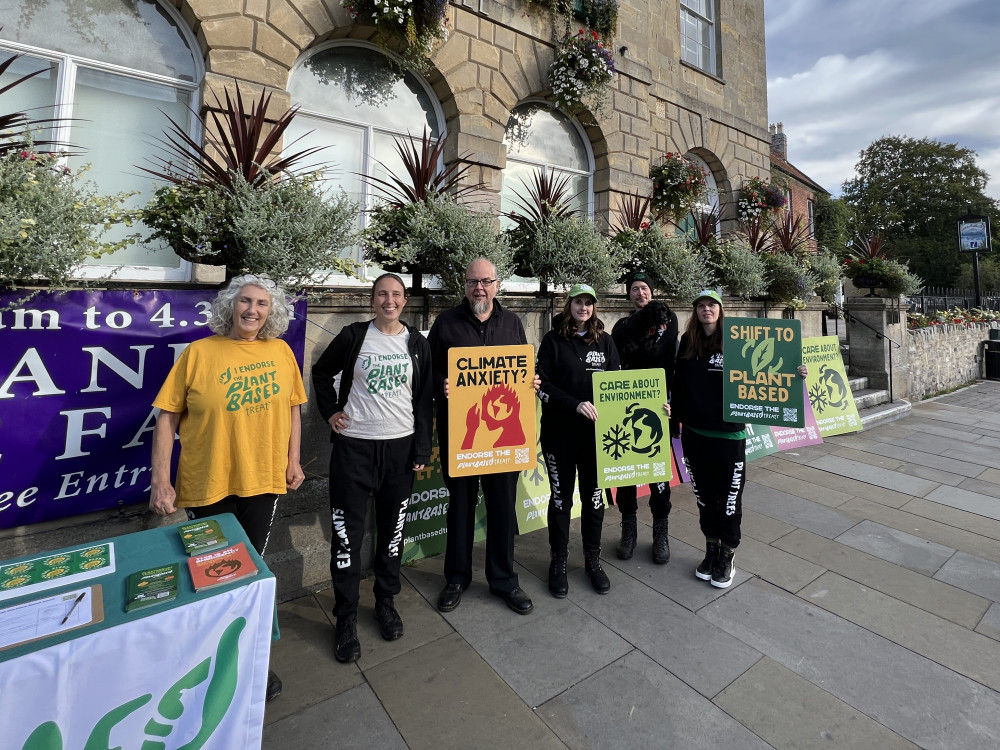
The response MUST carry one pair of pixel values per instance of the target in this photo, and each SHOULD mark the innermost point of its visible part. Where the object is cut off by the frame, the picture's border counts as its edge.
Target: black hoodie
(641, 343)
(565, 366)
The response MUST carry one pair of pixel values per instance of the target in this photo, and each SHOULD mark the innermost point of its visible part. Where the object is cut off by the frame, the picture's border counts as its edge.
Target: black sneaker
(598, 578)
(626, 545)
(724, 570)
(558, 584)
(273, 686)
(390, 624)
(346, 646)
(704, 570)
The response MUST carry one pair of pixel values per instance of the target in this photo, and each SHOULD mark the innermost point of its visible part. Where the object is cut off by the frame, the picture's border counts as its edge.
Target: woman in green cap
(714, 450)
(576, 347)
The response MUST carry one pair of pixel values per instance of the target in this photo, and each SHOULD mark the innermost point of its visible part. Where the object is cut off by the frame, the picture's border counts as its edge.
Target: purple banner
(78, 374)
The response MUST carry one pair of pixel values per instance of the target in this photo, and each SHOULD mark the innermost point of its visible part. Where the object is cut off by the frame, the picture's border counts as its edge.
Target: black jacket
(459, 327)
(565, 366)
(696, 399)
(640, 343)
(340, 357)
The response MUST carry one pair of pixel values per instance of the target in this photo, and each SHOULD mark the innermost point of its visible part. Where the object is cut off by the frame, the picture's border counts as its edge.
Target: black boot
(558, 584)
(724, 570)
(661, 544)
(346, 646)
(704, 571)
(626, 546)
(598, 578)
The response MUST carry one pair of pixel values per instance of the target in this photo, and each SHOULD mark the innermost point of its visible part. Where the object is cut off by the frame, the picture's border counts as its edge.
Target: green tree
(832, 220)
(913, 191)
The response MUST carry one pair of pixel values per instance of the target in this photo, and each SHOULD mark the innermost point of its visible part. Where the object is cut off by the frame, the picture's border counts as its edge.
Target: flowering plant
(758, 197)
(418, 22)
(678, 186)
(581, 70)
(955, 316)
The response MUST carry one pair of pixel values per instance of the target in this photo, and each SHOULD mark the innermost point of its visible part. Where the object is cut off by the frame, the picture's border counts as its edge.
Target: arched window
(111, 66)
(355, 103)
(542, 138)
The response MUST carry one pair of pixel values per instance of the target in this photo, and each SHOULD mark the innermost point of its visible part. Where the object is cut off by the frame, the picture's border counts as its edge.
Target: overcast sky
(843, 73)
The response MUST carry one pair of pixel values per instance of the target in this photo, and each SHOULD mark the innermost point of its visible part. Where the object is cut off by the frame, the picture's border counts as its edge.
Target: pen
(78, 600)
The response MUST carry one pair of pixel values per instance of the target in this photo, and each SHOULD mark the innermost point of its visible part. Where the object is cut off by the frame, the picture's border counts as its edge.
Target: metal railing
(879, 335)
(931, 299)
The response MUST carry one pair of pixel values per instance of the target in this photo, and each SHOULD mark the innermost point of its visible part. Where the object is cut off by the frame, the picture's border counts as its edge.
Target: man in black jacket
(478, 321)
(646, 339)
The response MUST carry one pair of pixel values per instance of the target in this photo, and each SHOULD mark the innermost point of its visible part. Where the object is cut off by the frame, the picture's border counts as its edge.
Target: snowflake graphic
(818, 397)
(615, 442)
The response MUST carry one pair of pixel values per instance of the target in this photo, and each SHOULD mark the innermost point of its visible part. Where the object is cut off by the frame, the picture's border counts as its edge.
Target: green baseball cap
(707, 294)
(579, 289)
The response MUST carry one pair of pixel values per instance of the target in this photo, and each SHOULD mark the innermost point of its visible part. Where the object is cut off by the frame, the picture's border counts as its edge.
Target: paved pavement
(864, 614)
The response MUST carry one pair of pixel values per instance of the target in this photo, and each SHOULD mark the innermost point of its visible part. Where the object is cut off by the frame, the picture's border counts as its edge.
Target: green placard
(761, 383)
(829, 392)
(760, 442)
(633, 432)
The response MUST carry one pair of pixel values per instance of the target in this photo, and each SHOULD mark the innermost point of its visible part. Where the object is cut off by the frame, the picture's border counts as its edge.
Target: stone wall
(945, 357)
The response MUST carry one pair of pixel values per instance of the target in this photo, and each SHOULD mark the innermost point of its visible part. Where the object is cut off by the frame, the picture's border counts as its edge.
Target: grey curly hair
(221, 315)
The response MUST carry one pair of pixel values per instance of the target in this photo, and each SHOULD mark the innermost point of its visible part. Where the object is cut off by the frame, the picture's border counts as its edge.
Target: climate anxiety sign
(78, 374)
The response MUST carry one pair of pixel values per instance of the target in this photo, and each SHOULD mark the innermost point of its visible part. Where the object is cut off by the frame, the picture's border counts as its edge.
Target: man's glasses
(473, 283)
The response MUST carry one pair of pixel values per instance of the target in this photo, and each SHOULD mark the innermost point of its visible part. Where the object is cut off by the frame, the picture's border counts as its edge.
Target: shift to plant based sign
(491, 409)
(761, 384)
(633, 433)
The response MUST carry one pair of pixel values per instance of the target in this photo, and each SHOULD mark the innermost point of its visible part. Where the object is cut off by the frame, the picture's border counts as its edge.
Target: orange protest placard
(491, 409)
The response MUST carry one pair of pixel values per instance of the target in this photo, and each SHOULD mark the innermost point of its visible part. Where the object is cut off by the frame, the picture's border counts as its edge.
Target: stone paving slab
(634, 704)
(872, 459)
(825, 479)
(925, 528)
(947, 601)
(303, 659)
(974, 502)
(973, 574)
(703, 656)
(945, 413)
(353, 719)
(792, 713)
(795, 486)
(919, 426)
(984, 455)
(897, 546)
(960, 519)
(909, 455)
(892, 480)
(990, 624)
(953, 646)
(946, 712)
(443, 695)
(795, 510)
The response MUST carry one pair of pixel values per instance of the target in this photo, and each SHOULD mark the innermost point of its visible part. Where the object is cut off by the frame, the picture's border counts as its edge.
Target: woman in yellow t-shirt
(235, 400)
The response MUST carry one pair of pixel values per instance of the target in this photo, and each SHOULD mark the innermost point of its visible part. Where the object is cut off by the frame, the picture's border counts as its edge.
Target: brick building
(801, 190)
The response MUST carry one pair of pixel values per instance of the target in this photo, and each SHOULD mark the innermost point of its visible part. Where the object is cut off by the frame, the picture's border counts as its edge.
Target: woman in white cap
(714, 450)
(576, 347)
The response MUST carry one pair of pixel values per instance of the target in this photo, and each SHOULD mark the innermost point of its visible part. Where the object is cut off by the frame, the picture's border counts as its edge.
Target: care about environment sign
(633, 431)
(761, 383)
(491, 409)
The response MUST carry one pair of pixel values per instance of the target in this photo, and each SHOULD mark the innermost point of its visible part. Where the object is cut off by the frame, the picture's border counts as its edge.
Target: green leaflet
(763, 353)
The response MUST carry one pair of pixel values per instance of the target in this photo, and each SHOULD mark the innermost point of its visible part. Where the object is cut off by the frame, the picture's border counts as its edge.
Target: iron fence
(931, 299)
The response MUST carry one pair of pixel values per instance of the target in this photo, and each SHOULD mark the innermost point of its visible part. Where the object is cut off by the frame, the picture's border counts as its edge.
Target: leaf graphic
(762, 355)
(777, 366)
(746, 346)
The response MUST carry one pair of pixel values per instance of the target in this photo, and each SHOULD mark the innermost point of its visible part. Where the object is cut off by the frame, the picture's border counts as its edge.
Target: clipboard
(36, 620)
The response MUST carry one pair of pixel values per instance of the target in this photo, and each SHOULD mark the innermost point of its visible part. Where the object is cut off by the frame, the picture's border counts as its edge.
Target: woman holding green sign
(714, 450)
(575, 348)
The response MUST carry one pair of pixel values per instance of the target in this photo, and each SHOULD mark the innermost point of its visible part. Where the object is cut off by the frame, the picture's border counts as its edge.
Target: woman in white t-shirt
(381, 416)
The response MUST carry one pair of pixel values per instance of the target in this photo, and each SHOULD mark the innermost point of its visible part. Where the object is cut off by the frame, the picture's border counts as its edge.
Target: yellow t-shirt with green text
(235, 399)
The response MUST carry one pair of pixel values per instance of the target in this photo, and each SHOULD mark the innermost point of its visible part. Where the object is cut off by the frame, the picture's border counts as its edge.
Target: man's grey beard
(481, 307)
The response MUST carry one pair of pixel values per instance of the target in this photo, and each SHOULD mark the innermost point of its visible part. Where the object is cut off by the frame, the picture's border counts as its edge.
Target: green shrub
(790, 280)
(740, 271)
(826, 267)
(567, 250)
(678, 271)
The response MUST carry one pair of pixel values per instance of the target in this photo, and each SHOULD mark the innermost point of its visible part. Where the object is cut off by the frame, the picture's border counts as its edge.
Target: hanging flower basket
(758, 198)
(678, 186)
(419, 23)
(581, 72)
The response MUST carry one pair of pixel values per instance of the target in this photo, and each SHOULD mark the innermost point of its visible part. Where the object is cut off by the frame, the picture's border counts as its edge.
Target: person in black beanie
(575, 348)
(646, 339)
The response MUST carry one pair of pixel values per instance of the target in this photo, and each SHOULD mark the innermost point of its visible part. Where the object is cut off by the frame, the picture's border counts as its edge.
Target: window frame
(367, 158)
(67, 65)
(713, 44)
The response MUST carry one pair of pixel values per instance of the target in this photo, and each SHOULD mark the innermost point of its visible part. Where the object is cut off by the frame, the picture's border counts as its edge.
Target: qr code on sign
(520, 455)
(790, 415)
(660, 469)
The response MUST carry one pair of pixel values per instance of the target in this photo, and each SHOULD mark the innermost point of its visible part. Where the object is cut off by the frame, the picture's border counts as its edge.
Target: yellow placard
(491, 409)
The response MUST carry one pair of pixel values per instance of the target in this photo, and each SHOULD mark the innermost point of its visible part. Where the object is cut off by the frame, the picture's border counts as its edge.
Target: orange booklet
(221, 566)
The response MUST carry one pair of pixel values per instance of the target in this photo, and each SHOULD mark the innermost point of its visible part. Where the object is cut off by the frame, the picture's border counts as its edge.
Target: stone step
(869, 397)
(857, 384)
(884, 413)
